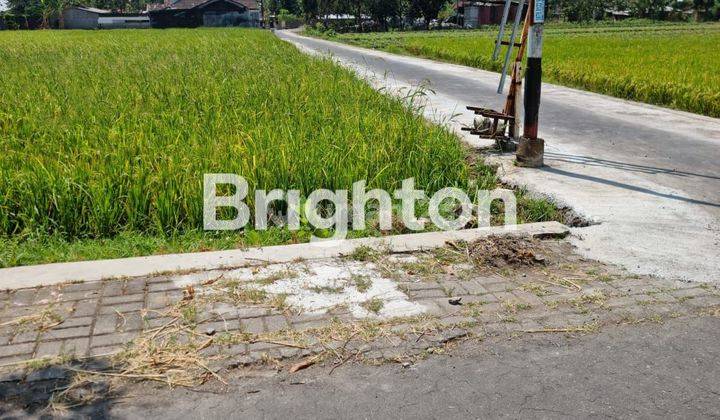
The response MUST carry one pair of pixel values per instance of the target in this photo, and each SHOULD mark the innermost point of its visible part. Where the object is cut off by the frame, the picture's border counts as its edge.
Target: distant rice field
(672, 65)
(109, 132)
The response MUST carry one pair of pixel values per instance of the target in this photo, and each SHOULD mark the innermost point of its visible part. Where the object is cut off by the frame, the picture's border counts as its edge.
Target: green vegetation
(373, 305)
(106, 137)
(665, 64)
(362, 283)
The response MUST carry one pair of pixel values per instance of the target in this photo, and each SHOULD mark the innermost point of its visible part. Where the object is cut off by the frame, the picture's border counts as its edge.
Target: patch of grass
(426, 266)
(596, 298)
(507, 318)
(37, 364)
(250, 295)
(363, 253)
(362, 283)
(279, 301)
(189, 314)
(102, 168)
(89, 157)
(274, 277)
(605, 278)
(473, 309)
(456, 252)
(373, 305)
(538, 289)
(39, 248)
(328, 289)
(513, 307)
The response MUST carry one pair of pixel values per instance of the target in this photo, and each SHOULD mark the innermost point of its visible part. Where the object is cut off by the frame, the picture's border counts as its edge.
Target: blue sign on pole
(539, 11)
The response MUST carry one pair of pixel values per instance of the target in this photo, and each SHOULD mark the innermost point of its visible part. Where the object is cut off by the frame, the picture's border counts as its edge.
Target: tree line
(384, 12)
(387, 13)
(41, 13)
(588, 10)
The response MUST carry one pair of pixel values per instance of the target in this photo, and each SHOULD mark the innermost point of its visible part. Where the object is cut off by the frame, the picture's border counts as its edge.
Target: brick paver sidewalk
(368, 306)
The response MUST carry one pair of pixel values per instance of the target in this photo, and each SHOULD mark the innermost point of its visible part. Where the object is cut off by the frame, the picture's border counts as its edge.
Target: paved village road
(639, 371)
(649, 176)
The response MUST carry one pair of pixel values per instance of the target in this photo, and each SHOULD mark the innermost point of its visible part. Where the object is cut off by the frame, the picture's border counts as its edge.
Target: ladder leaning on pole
(511, 44)
(490, 126)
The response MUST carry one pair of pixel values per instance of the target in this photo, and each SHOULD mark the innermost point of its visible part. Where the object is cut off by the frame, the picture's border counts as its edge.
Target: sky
(3, 5)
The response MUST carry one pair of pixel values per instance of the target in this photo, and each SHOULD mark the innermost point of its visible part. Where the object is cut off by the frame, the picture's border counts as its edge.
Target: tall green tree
(583, 10)
(427, 9)
(704, 9)
(274, 6)
(382, 10)
(46, 11)
(653, 9)
(310, 9)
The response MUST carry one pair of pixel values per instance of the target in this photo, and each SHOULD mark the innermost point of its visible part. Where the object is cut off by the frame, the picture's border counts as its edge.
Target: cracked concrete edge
(87, 271)
(505, 167)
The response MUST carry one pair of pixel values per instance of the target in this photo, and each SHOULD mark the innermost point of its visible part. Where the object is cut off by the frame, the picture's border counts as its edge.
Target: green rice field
(672, 65)
(106, 136)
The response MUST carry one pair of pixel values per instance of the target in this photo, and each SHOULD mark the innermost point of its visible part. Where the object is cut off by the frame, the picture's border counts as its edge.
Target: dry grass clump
(44, 320)
(497, 251)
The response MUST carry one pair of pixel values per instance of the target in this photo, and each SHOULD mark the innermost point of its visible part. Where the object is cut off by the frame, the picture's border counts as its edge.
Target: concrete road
(667, 370)
(649, 177)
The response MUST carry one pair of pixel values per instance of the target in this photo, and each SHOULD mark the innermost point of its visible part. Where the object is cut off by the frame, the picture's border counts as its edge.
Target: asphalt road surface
(667, 370)
(648, 177)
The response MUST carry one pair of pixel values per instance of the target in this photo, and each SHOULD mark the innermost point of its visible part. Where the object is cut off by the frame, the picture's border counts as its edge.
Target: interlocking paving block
(490, 305)
(105, 324)
(252, 325)
(73, 332)
(112, 300)
(17, 349)
(122, 307)
(113, 339)
(85, 308)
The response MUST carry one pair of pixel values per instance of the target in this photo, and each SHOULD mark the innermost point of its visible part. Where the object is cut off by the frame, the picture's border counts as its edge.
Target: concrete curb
(86, 271)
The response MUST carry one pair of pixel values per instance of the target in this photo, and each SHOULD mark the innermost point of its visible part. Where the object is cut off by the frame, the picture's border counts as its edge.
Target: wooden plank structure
(504, 125)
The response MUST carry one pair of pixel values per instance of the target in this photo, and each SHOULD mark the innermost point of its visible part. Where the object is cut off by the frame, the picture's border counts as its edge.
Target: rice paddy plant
(672, 65)
(107, 133)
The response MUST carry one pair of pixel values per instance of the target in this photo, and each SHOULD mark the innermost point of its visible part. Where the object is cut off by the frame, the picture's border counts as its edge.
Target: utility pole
(262, 14)
(531, 149)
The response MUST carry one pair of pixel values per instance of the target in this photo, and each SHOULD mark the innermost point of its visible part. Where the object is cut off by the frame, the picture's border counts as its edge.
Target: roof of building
(481, 3)
(154, 6)
(615, 12)
(90, 9)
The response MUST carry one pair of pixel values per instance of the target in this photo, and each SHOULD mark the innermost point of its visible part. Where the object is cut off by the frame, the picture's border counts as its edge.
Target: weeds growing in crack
(364, 254)
(327, 289)
(275, 277)
(537, 289)
(373, 305)
(597, 298)
(513, 307)
(362, 283)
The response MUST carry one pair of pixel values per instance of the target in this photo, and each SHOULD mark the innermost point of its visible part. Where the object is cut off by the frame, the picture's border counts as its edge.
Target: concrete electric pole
(531, 149)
